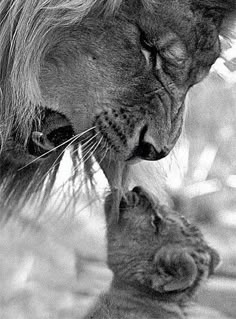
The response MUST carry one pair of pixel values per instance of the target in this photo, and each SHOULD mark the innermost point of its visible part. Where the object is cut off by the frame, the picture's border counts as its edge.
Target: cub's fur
(158, 259)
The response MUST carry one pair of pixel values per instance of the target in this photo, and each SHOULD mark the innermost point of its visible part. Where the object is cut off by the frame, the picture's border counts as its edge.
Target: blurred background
(202, 174)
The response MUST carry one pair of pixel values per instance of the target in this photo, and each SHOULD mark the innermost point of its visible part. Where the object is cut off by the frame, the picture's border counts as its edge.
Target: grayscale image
(117, 159)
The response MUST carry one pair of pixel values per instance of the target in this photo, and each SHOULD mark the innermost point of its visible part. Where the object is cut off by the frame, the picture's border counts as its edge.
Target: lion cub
(158, 259)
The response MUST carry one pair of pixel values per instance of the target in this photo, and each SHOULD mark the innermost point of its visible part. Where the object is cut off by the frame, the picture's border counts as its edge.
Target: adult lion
(110, 75)
(101, 77)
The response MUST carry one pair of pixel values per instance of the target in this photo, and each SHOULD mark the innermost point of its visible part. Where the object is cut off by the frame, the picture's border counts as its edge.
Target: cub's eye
(156, 222)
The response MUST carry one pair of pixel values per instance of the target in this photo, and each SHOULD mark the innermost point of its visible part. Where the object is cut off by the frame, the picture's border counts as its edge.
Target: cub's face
(152, 247)
(127, 75)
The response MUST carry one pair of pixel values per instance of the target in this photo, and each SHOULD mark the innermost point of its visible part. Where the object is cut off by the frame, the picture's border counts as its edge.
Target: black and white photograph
(117, 159)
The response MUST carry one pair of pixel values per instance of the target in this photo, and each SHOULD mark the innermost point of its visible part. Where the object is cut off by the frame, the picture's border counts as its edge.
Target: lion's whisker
(78, 136)
(86, 143)
(72, 140)
(88, 148)
(91, 138)
(105, 153)
(67, 181)
(91, 151)
(56, 160)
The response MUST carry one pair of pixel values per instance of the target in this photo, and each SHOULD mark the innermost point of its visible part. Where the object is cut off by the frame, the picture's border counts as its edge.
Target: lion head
(110, 75)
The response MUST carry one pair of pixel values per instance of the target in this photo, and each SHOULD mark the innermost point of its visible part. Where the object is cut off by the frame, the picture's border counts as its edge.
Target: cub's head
(156, 249)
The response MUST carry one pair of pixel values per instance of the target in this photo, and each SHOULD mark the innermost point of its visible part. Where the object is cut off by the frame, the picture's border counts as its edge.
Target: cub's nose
(147, 150)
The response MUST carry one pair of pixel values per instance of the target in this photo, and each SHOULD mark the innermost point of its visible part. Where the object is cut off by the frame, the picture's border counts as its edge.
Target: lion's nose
(148, 152)
(146, 148)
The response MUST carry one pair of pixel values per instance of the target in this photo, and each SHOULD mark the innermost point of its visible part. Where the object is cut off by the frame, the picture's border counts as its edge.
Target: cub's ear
(176, 270)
